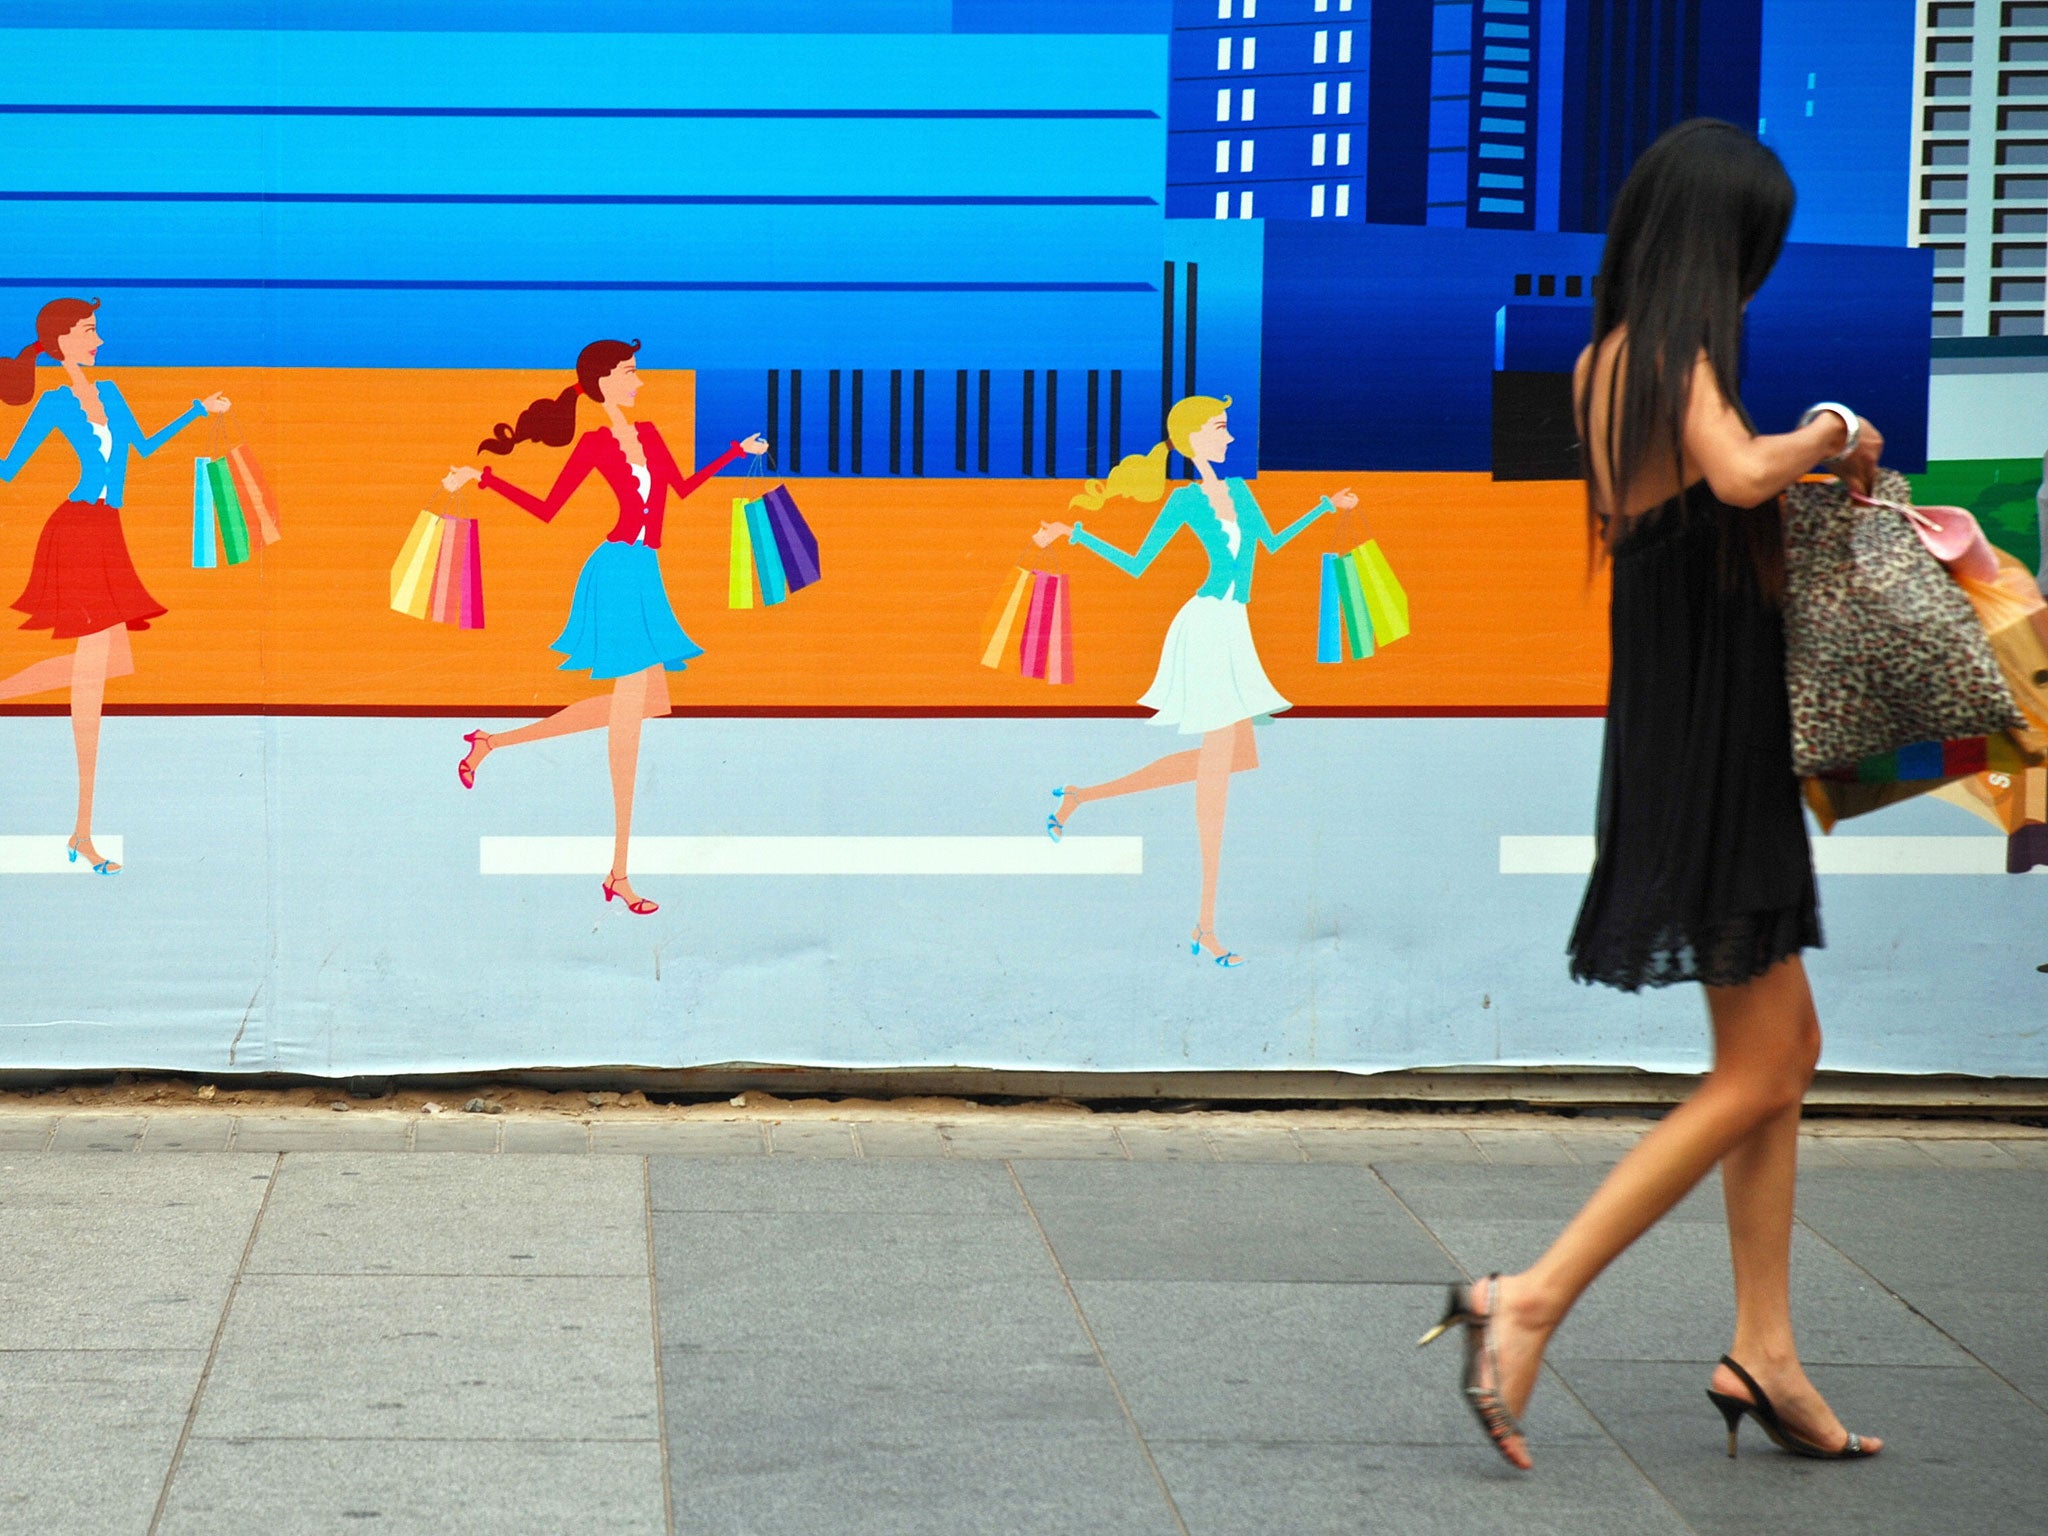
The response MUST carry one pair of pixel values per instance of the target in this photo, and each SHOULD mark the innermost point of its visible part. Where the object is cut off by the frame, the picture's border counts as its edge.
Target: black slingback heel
(1733, 1408)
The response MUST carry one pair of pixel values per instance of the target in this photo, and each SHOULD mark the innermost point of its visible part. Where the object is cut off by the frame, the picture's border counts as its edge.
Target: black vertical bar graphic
(1116, 414)
(773, 431)
(917, 422)
(1166, 353)
(1030, 393)
(855, 419)
(1187, 346)
(1052, 422)
(960, 422)
(895, 421)
(981, 427)
(796, 421)
(1094, 466)
(832, 422)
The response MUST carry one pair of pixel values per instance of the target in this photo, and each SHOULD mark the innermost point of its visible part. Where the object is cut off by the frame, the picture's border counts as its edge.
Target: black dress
(1703, 871)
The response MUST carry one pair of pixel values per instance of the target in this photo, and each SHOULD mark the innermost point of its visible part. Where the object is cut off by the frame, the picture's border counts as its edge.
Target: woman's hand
(216, 404)
(1049, 533)
(1345, 499)
(459, 476)
(756, 445)
(1859, 469)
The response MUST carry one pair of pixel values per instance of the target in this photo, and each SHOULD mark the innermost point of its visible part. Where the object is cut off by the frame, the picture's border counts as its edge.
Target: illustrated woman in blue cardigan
(82, 586)
(1210, 683)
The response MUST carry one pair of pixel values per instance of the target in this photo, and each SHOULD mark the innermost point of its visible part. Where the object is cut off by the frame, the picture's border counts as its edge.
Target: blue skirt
(620, 622)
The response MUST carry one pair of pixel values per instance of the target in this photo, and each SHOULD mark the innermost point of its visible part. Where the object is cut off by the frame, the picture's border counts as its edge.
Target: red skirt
(83, 580)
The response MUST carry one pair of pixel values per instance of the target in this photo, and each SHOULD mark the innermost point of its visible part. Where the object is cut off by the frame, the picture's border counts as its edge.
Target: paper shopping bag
(1059, 644)
(205, 541)
(259, 507)
(227, 511)
(794, 541)
(767, 562)
(739, 580)
(1385, 598)
(412, 573)
(471, 606)
(1001, 623)
(1330, 613)
(1035, 645)
(444, 606)
(1358, 624)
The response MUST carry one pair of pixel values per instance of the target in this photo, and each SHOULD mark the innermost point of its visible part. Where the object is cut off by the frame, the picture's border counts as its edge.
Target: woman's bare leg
(90, 664)
(44, 677)
(1766, 1042)
(584, 715)
(1175, 768)
(1215, 761)
(628, 713)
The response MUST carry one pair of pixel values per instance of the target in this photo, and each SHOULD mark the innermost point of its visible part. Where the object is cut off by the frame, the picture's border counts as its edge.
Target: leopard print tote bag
(1882, 649)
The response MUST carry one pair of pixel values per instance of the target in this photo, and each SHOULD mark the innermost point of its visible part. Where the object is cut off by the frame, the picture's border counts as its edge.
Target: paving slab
(680, 1138)
(1253, 1143)
(1877, 1152)
(1166, 1143)
(1531, 1194)
(544, 1136)
(188, 1131)
(1257, 1363)
(98, 1133)
(345, 1213)
(811, 1139)
(875, 1187)
(1961, 1246)
(122, 1253)
(89, 1435)
(1967, 1153)
(1524, 1148)
(1165, 1221)
(1342, 1490)
(899, 1138)
(921, 1478)
(1343, 1146)
(1063, 1139)
(428, 1356)
(456, 1133)
(1600, 1149)
(333, 1133)
(415, 1487)
(26, 1133)
(1962, 1452)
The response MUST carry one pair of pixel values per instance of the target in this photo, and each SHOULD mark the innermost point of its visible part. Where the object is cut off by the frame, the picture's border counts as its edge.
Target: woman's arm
(148, 443)
(667, 468)
(1171, 518)
(1285, 536)
(1747, 469)
(42, 421)
(582, 460)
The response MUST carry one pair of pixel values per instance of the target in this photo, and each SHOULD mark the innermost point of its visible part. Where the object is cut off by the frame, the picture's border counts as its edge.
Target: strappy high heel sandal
(1733, 1408)
(1485, 1401)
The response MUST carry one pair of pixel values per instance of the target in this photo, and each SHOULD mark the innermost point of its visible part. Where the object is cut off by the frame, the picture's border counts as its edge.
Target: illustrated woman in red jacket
(621, 628)
(83, 586)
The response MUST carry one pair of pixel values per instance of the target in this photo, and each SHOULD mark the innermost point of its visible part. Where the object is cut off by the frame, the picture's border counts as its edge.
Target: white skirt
(1209, 672)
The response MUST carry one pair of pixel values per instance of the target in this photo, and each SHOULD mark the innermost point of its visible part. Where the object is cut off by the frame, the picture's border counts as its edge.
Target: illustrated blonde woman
(83, 586)
(621, 628)
(1210, 683)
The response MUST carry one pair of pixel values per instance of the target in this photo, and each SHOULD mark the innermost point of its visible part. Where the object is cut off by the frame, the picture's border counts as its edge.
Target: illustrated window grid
(1317, 147)
(1244, 204)
(1315, 201)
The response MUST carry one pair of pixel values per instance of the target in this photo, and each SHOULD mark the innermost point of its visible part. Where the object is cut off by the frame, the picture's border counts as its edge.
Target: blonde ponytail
(1142, 476)
(1139, 476)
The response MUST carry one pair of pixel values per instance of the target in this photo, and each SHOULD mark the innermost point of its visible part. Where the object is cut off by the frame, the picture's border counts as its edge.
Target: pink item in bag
(1951, 535)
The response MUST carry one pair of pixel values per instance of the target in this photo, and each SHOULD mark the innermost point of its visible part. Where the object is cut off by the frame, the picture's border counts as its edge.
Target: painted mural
(898, 481)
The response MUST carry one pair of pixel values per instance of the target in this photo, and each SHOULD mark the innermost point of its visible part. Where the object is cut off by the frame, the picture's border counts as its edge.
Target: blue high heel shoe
(101, 868)
(1054, 827)
(1228, 960)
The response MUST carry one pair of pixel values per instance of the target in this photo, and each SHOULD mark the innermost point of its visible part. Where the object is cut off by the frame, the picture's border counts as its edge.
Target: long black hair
(1695, 230)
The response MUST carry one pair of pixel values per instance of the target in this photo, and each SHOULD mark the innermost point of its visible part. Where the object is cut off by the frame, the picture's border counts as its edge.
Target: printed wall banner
(938, 533)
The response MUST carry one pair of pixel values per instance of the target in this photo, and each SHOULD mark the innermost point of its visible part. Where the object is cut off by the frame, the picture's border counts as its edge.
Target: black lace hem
(1724, 953)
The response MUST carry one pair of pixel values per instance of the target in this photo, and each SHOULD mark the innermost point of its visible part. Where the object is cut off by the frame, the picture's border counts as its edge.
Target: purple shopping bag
(794, 540)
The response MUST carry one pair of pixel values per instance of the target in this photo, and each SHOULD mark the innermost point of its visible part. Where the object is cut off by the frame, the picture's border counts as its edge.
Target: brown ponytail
(53, 321)
(552, 418)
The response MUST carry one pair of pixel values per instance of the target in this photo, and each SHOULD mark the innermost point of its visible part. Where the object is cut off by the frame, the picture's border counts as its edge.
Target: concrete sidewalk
(998, 1323)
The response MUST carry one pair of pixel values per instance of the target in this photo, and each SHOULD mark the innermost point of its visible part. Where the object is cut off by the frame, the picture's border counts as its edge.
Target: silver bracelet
(1850, 423)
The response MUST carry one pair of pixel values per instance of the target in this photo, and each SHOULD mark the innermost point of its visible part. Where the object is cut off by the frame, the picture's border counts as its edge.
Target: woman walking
(621, 628)
(82, 586)
(1703, 871)
(1210, 682)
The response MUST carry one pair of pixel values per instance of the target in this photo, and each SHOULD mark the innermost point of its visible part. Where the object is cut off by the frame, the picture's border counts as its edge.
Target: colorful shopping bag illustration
(739, 581)
(259, 507)
(1001, 623)
(794, 540)
(1386, 600)
(470, 614)
(767, 560)
(412, 573)
(205, 536)
(227, 511)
